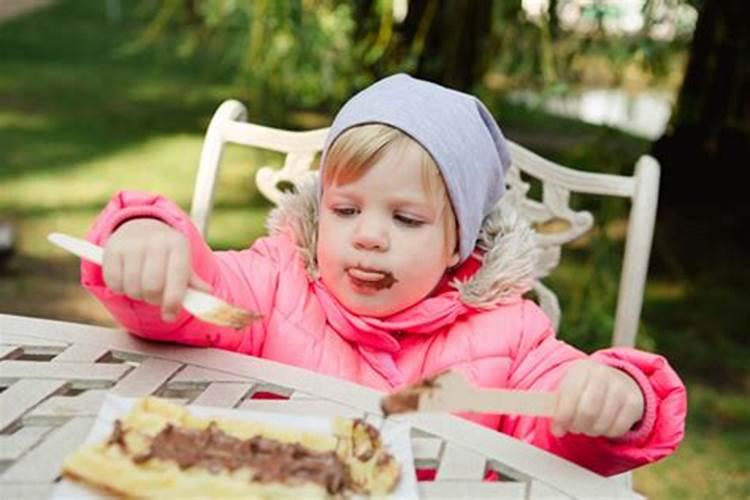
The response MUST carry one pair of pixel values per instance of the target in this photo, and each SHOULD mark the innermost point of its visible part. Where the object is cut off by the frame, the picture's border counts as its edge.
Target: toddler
(400, 263)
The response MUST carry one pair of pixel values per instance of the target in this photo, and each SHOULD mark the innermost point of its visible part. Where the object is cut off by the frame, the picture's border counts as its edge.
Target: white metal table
(54, 376)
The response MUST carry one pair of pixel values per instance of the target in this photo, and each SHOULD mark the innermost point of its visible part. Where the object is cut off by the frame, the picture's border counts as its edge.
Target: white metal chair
(228, 125)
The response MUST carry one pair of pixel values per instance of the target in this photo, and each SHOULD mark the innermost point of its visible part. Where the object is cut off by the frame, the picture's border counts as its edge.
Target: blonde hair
(357, 149)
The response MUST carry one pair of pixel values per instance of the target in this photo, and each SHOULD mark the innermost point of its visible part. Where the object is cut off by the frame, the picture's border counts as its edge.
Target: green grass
(712, 460)
(82, 116)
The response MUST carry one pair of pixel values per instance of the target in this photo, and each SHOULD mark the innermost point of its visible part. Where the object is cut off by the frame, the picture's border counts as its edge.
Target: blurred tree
(315, 53)
(709, 138)
(284, 54)
(452, 40)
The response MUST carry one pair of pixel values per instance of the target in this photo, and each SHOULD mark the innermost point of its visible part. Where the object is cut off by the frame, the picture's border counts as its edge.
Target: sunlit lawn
(67, 200)
(713, 459)
(81, 118)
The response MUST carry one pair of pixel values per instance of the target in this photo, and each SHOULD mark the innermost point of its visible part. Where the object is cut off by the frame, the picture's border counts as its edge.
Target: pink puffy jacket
(476, 322)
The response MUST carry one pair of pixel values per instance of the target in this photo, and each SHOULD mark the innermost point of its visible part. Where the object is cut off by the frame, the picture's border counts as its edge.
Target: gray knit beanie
(455, 128)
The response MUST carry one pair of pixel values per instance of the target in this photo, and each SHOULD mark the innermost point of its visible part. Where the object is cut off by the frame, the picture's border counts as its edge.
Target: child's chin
(371, 310)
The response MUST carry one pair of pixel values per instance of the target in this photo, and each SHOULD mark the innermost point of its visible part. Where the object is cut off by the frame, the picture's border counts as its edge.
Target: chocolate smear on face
(270, 460)
(387, 281)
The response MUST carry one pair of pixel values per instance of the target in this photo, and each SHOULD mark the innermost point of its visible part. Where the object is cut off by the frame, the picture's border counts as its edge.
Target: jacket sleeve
(540, 363)
(246, 279)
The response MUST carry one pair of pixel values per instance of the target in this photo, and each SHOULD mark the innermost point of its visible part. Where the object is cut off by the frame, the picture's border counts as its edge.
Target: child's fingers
(630, 412)
(589, 405)
(570, 390)
(621, 424)
(131, 273)
(153, 274)
(112, 270)
(608, 415)
(177, 276)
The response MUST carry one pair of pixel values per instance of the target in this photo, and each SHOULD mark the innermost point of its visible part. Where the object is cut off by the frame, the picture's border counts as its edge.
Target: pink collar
(423, 318)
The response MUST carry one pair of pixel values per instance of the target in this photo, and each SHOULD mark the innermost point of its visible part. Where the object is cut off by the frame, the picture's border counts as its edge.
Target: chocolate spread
(407, 399)
(400, 402)
(118, 436)
(269, 460)
(365, 447)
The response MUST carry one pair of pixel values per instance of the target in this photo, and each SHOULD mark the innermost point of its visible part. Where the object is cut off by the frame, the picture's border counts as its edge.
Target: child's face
(382, 242)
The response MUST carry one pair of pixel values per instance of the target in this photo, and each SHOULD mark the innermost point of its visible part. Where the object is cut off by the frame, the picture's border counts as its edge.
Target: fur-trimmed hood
(506, 248)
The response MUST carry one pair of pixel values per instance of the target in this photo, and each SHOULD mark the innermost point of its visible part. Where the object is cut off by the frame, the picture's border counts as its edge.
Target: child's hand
(597, 400)
(146, 259)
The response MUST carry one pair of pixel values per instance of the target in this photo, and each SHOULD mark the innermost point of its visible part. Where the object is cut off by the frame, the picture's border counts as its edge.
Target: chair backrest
(228, 125)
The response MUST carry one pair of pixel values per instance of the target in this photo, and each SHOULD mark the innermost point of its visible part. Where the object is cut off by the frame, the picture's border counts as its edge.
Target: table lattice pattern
(54, 376)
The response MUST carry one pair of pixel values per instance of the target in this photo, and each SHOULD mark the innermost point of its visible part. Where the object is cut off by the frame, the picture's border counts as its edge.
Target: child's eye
(344, 211)
(408, 221)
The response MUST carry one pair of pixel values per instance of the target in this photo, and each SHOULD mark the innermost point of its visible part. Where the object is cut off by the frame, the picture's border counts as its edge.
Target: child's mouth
(371, 278)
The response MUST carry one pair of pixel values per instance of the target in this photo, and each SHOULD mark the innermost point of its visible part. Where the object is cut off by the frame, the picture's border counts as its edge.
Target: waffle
(160, 450)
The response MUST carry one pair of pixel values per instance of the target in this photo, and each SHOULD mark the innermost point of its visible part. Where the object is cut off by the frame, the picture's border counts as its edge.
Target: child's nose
(370, 235)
